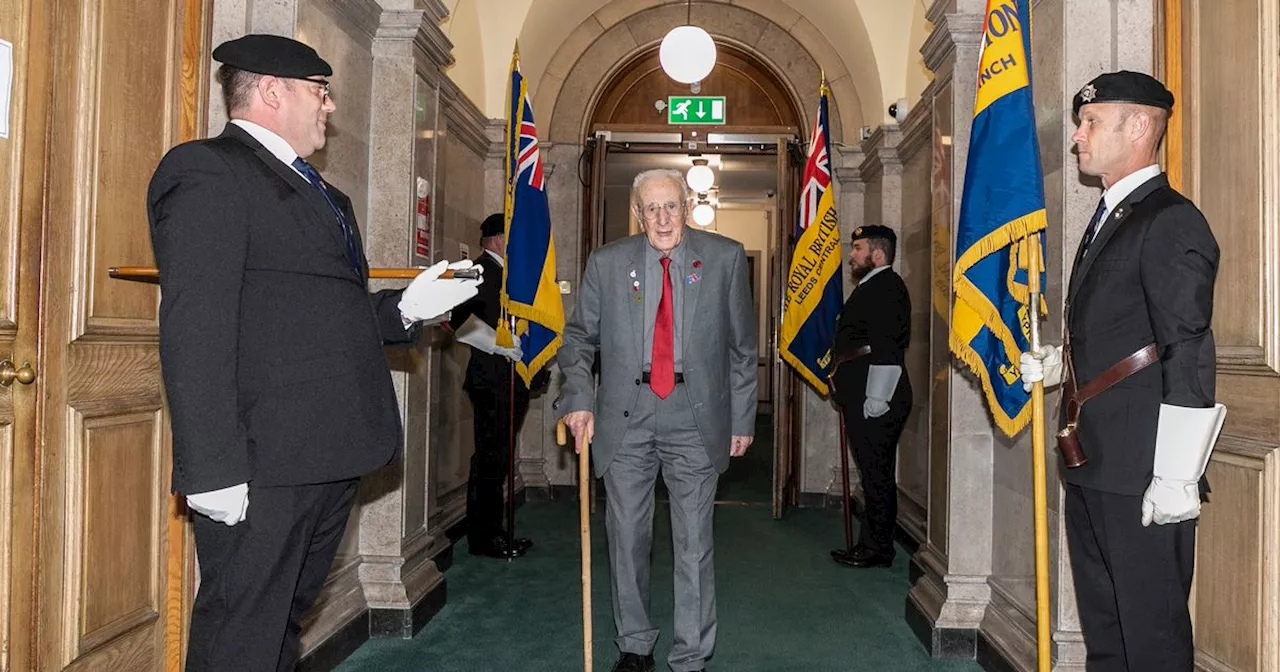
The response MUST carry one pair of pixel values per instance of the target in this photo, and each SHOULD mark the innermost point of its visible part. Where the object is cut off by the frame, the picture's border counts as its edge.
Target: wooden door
(97, 562)
(1223, 55)
(786, 391)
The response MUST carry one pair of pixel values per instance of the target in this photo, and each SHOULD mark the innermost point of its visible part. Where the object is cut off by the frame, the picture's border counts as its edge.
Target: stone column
(402, 584)
(234, 18)
(950, 592)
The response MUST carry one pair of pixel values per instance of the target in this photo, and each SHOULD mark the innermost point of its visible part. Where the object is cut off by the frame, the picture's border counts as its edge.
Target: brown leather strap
(1116, 373)
(855, 354)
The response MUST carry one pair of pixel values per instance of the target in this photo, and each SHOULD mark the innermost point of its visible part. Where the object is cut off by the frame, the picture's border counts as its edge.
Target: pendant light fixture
(687, 53)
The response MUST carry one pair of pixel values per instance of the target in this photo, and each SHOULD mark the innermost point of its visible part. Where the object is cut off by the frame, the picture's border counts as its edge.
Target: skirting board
(357, 631)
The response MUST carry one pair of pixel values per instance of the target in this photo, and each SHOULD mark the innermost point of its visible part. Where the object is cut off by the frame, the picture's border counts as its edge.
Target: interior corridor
(783, 604)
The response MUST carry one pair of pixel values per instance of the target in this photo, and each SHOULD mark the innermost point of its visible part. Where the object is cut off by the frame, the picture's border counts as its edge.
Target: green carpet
(783, 604)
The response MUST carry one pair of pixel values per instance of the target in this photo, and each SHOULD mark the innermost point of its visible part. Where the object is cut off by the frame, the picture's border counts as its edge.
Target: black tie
(348, 236)
(1092, 231)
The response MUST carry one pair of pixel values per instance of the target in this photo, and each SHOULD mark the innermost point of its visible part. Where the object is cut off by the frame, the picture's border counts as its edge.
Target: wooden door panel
(22, 161)
(114, 558)
(120, 481)
(123, 71)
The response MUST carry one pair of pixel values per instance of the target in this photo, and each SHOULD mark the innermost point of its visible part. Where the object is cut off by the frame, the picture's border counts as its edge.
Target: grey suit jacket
(719, 348)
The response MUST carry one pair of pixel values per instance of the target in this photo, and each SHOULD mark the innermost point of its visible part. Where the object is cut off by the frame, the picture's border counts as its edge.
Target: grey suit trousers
(663, 434)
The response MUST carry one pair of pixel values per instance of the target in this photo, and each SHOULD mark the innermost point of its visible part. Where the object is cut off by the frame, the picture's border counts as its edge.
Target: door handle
(25, 375)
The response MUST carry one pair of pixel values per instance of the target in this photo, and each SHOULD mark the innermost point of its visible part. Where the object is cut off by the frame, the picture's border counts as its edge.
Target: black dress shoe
(863, 557)
(496, 547)
(634, 662)
(521, 544)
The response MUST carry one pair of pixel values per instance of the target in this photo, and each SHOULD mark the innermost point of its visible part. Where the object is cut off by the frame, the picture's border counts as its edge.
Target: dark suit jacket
(877, 313)
(270, 343)
(485, 370)
(1148, 278)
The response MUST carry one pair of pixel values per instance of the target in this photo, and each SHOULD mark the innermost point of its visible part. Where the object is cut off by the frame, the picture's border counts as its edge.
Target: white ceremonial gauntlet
(882, 380)
(1184, 440)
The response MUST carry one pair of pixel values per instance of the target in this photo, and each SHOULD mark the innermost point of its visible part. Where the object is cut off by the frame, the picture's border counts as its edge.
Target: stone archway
(785, 42)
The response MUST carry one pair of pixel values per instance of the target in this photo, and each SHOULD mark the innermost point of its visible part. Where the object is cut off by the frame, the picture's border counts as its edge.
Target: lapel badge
(697, 263)
(635, 286)
(691, 278)
(633, 273)
(1088, 93)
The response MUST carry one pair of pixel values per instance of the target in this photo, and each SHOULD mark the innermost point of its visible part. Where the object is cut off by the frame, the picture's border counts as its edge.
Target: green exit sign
(695, 109)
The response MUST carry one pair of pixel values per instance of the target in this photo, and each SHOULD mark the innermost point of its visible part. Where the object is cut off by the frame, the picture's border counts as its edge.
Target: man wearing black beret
(1139, 384)
(871, 386)
(497, 410)
(271, 352)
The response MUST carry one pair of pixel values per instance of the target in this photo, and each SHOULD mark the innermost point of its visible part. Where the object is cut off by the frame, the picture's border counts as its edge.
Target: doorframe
(615, 139)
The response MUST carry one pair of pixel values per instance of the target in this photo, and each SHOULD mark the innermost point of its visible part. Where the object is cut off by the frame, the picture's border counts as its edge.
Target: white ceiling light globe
(703, 214)
(700, 178)
(687, 54)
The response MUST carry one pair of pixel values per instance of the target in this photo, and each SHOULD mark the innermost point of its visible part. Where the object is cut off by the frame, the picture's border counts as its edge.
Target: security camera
(899, 110)
(659, 105)
(769, 193)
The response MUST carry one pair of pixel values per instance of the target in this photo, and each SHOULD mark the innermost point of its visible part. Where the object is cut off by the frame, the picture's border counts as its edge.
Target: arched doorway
(755, 151)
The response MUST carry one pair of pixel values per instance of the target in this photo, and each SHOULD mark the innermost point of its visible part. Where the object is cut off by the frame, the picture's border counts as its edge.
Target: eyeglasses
(652, 211)
(322, 88)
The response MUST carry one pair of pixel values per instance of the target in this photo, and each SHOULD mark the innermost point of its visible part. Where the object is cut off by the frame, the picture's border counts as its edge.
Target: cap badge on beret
(857, 231)
(1088, 93)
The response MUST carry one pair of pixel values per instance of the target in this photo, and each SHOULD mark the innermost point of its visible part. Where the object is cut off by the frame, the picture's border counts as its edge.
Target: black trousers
(493, 436)
(874, 445)
(259, 577)
(1132, 583)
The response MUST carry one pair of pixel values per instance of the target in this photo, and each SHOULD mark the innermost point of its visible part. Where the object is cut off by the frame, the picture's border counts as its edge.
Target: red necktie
(662, 377)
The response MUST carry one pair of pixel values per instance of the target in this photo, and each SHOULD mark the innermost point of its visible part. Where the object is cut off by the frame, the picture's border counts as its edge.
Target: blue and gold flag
(815, 288)
(1001, 207)
(531, 304)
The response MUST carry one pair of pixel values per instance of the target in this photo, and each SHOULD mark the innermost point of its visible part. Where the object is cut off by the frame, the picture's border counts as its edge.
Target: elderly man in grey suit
(670, 314)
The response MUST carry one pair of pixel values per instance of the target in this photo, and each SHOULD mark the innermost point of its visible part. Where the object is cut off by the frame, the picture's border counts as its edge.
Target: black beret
(1124, 87)
(493, 225)
(874, 231)
(272, 55)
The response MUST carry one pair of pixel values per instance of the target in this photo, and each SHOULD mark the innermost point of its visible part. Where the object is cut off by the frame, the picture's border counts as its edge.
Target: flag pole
(511, 452)
(1043, 651)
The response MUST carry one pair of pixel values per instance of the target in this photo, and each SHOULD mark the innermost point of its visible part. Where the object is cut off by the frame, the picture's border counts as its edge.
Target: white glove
(228, 505)
(882, 380)
(1043, 364)
(1184, 441)
(874, 408)
(428, 297)
(514, 353)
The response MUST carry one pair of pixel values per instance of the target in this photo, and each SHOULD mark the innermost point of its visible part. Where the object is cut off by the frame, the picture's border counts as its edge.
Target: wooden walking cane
(1043, 652)
(584, 532)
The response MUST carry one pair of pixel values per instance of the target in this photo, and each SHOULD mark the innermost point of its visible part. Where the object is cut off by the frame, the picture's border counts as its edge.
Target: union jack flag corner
(531, 305)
